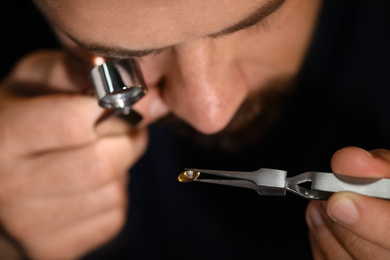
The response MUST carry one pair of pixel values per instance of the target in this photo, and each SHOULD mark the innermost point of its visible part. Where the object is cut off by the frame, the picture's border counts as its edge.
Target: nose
(203, 84)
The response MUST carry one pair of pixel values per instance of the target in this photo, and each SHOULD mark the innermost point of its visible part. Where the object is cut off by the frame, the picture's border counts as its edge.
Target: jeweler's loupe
(119, 84)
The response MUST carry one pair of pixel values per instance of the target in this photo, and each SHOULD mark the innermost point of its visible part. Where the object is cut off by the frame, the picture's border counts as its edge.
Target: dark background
(23, 29)
(343, 100)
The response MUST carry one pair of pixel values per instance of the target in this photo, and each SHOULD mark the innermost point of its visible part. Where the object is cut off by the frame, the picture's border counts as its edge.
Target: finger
(51, 213)
(367, 217)
(45, 72)
(319, 230)
(358, 247)
(74, 170)
(111, 196)
(361, 163)
(76, 240)
(48, 123)
(54, 122)
(315, 248)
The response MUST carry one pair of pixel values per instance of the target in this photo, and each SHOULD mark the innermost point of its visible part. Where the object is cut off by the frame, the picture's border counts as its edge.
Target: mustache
(253, 120)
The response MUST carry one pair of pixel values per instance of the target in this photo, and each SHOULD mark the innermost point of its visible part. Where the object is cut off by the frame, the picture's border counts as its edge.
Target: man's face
(201, 59)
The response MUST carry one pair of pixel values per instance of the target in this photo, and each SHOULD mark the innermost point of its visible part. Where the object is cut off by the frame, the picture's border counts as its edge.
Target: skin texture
(63, 181)
(352, 226)
(218, 73)
(62, 193)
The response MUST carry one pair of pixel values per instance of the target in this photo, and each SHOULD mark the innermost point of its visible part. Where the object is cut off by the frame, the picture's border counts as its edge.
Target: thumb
(357, 162)
(367, 217)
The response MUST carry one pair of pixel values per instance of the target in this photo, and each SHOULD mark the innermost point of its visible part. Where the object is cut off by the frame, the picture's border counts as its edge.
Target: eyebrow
(117, 52)
(257, 16)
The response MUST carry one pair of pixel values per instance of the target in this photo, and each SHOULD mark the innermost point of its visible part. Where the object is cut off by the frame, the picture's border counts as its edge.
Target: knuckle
(142, 139)
(360, 248)
(336, 253)
(118, 220)
(385, 238)
(11, 186)
(113, 224)
(25, 63)
(43, 249)
(102, 167)
(72, 128)
(119, 195)
(19, 230)
(354, 243)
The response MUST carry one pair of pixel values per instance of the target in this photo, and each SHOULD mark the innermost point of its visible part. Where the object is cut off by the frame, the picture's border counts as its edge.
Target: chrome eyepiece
(118, 84)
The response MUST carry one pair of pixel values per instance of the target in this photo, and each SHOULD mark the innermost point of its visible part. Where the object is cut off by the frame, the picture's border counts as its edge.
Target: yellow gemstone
(188, 176)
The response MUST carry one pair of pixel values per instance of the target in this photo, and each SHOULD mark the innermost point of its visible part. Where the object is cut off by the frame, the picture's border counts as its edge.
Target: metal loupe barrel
(118, 83)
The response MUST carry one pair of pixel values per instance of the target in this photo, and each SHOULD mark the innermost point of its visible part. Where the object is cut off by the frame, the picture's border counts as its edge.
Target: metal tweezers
(275, 182)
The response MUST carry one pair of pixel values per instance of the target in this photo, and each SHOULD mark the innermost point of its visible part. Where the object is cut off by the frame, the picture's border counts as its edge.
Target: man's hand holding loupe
(63, 182)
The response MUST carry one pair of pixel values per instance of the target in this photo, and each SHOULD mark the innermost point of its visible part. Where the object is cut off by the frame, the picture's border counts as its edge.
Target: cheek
(266, 58)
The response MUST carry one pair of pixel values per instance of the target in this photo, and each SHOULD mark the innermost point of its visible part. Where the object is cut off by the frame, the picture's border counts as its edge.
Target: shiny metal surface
(264, 181)
(274, 182)
(373, 187)
(293, 185)
(118, 84)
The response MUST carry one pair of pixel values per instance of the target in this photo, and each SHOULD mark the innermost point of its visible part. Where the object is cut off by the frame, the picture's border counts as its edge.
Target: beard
(253, 120)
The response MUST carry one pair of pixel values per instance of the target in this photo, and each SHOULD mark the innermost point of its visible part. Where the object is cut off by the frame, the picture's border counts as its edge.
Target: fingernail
(316, 216)
(370, 154)
(344, 211)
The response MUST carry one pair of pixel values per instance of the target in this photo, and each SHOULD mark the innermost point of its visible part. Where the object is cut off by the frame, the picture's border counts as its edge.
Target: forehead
(145, 24)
